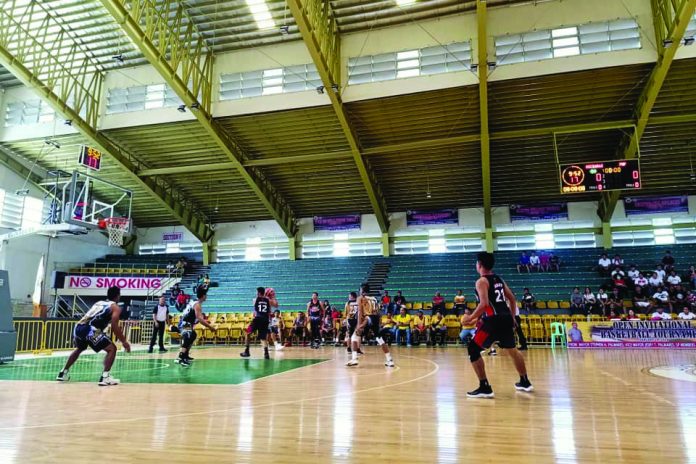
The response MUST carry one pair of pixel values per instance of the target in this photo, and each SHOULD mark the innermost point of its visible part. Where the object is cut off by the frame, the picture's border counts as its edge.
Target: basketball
(270, 293)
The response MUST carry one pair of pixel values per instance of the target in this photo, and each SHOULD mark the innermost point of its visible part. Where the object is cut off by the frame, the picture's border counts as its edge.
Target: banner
(350, 222)
(75, 282)
(674, 334)
(652, 205)
(542, 212)
(422, 218)
(172, 236)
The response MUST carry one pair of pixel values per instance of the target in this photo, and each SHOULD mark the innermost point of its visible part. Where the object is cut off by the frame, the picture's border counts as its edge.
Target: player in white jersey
(276, 328)
(190, 316)
(90, 332)
(368, 313)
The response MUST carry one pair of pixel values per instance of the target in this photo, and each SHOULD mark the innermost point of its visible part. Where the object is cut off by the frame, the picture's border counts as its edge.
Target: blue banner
(442, 216)
(652, 205)
(539, 212)
(350, 222)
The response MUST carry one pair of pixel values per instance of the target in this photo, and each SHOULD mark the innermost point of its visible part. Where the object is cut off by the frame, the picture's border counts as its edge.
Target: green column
(489, 239)
(607, 240)
(292, 248)
(206, 253)
(385, 244)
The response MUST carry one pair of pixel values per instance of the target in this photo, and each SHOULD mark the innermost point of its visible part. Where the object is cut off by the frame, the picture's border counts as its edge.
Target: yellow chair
(578, 318)
(541, 305)
(552, 305)
(418, 306)
(565, 305)
(472, 305)
(449, 306)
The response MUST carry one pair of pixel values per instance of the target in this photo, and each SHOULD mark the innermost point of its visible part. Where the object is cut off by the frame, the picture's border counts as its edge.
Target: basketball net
(117, 228)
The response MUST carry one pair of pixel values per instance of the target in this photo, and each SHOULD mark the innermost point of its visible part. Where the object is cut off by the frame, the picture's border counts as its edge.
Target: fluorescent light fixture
(408, 73)
(407, 64)
(341, 249)
(564, 32)
(664, 240)
(663, 232)
(252, 254)
(657, 222)
(342, 236)
(543, 227)
(568, 51)
(436, 233)
(261, 13)
(272, 90)
(253, 240)
(275, 72)
(407, 55)
(405, 2)
(437, 245)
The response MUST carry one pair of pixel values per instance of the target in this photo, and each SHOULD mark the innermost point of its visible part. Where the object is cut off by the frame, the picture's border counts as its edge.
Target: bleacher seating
(130, 265)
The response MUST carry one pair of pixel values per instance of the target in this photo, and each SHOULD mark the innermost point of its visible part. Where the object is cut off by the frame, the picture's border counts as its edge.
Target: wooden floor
(593, 406)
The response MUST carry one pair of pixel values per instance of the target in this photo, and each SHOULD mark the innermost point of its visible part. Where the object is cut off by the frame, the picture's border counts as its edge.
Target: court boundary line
(432, 372)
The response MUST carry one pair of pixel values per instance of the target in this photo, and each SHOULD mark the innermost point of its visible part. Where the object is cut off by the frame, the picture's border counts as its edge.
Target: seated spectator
(577, 305)
(388, 328)
(438, 303)
(604, 265)
(459, 302)
(555, 262)
(534, 262)
(661, 297)
(181, 301)
(173, 294)
(327, 329)
(668, 261)
(620, 284)
(420, 329)
(686, 314)
(386, 302)
(299, 329)
(641, 302)
(660, 315)
(339, 329)
(631, 316)
(528, 301)
(641, 281)
(523, 263)
(633, 273)
(544, 262)
(590, 301)
(654, 281)
(612, 316)
(661, 272)
(403, 327)
(399, 299)
(618, 271)
(673, 279)
(691, 276)
(468, 329)
(691, 299)
(615, 302)
(171, 267)
(617, 262)
(603, 301)
(438, 329)
(678, 297)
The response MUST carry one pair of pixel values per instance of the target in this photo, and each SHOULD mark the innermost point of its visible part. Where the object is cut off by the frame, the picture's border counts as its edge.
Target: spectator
(534, 262)
(386, 302)
(617, 262)
(180, 266)
(660, 315)
(641, 281)
(661, 297)
(620, 284)
(654, 281)
(589, 300)
(691, 298)
(388, 328)
(686, 314)
(171, 267)
(668, 261)
(518, 329)
(173, 294)
(544, 262)
(299, 329)
(403, 326)
(633, 273)
(603, 264)
(327, 329)
(459, 302)
(438, 329)
(673, 279)
(160, 316)
(182, 300)
(438, 303)
(661, 272)
(691, 276)
(399, 299)
(528, 301)
(577, 305)
(602, 300)
(618, 271)
(420, 329)
(555, 262)
(612, 316)
(631, 316)
(523, 263)
(468, 330)
(641, 302)
(678, 297)
(616, 301)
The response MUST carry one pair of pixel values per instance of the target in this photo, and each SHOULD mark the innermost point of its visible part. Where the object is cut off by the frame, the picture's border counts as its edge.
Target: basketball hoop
(117, 228)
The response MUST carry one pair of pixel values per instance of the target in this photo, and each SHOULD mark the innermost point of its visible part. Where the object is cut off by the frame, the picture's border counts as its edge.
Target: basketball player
(192, 314)
(260, 323)
(368, 313)
(276, 328)
(90, 332)
(498, 324)
(315, 312)
(351, 312)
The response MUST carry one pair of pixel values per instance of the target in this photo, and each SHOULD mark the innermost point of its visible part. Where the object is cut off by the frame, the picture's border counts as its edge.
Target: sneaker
(107, 380)
(409, 345)
(349, 350)
(481, 392)
(244, 354)
(525, 386)
(266, 355)
(189, 358)
(163, 350)
(184, 362)
(279, 347)
(360, 352)
(149, 350)
(352, 363)
(63, 376)
(389, 364)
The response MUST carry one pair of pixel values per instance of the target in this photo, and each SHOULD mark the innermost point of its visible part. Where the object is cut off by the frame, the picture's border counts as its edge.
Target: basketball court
(588, 406)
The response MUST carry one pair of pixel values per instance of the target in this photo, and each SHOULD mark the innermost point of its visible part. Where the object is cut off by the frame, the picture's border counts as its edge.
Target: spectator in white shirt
(589, 300)
(660, 315)
(534, 262)
(661, 272)
(633, 273)
(686, 315)
(602, 300)
(655, 281)
(641, 281)
(673, 278)
(603, 264)
(617, 261)
(160, 316)
(661, 297)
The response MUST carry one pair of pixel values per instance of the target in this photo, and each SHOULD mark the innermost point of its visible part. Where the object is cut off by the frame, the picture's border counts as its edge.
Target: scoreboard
(90, 157)
(600, 176)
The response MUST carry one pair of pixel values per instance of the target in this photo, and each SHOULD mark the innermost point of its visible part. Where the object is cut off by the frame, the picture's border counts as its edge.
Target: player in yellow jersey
(368, 315)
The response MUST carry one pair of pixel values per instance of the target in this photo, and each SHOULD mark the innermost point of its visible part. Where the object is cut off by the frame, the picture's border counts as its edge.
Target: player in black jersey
(315, 313)
(192, 314)
(351, 313)
(260, 322)
(90, 332)
(497, 324)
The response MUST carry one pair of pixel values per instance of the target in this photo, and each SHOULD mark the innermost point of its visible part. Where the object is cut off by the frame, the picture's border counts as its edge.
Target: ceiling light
(68, 122)
(320, 90)
(689, 41)
(667, 43)
(405, 2)
(118, 58)
(262, 15)
(181, 108)
(285, 30)
(195, 106)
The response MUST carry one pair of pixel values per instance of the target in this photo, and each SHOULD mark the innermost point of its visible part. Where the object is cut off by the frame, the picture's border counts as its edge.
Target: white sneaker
(390, 364)
(279, 347)
(352, 363)
(63, 377)
(107, 380)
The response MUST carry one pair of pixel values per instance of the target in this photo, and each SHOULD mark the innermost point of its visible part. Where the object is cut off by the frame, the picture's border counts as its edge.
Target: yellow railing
(30, 335)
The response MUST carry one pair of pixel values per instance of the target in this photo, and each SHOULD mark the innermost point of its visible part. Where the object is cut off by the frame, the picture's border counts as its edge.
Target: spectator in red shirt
(544, 262)
(181, 301)
(438, 303)
(386, 302)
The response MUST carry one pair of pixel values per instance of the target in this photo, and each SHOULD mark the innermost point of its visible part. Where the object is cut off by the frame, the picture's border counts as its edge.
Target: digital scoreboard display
(600, 176)
(90, 158)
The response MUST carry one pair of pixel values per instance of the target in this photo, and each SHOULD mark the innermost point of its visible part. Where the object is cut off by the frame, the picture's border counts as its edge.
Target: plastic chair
(558, 332)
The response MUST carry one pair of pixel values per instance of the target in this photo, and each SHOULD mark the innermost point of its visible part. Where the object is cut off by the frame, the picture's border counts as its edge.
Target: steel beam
(172, 44)
(320, 34)
(31, 171)
(30, 40)
(481, 19)
(671, 19)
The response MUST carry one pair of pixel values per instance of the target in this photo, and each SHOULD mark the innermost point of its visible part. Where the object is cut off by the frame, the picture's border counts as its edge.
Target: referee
(160, 314)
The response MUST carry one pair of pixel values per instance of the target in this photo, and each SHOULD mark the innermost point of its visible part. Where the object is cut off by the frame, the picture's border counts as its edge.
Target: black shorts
(260, 325)
(496, 329)
(373, 323)
(352, 325)
(298, 331)
(85, 335)
(273, 330)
